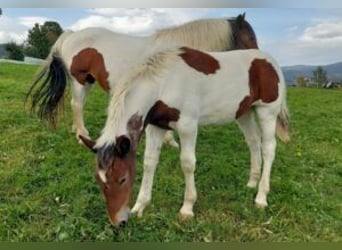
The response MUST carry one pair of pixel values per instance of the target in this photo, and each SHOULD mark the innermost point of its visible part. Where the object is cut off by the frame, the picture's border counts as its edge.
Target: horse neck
(138, 103)
(135, 103)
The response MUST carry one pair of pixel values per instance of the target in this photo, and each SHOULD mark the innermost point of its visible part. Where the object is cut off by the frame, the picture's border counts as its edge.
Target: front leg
(154, 140)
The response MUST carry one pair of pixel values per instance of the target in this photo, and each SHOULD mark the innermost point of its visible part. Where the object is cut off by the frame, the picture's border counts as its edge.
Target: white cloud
(31, 21)
(323, 32)
(137, 21)
(11, 30)
(316, 45)
(125, 24)
(16, 29)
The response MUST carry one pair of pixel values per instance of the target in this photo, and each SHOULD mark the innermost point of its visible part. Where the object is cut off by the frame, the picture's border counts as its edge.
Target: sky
(294, 36)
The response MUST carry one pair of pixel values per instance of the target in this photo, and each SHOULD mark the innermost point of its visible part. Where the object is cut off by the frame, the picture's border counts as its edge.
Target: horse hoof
(185, 217)
(138, 211)
(261, 205)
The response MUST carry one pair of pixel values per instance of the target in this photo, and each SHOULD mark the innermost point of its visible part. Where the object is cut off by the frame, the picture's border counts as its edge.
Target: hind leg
(188, 135)
(251, 131)
(79, 93)
(267, 119)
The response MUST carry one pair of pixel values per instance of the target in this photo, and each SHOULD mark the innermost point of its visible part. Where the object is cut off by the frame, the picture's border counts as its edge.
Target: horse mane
(196, 34)
(150, 68)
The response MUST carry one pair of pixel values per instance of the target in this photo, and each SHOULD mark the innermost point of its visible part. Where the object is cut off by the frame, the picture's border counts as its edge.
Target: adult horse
(180, 89)
(97, 54)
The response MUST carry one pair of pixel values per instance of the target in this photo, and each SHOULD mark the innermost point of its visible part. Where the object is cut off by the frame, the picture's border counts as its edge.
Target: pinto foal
(181, 89)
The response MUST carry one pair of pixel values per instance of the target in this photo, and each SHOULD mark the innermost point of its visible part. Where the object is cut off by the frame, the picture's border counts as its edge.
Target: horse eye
(122, 180)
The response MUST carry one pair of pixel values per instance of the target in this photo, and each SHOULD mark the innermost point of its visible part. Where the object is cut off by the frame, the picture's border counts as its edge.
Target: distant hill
(334, 71)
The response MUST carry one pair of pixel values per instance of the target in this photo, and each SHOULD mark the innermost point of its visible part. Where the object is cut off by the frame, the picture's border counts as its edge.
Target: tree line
(319, 78)
(38, 43)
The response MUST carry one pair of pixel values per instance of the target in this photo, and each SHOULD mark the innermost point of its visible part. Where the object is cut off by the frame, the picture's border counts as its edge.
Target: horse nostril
(122, 223)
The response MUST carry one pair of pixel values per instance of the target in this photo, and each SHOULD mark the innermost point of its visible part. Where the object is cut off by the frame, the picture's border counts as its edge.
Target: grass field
(48, 190)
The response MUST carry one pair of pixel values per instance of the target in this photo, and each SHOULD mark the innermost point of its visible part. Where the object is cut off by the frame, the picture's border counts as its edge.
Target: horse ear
(241, 17)
(88, 143)
(123, 146)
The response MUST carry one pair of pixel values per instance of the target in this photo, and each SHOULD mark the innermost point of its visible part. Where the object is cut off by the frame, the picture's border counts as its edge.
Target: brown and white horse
(96, 54)
(180, 89)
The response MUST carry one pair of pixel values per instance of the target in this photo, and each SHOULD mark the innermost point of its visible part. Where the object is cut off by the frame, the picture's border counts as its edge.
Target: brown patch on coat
(263, 85)
(161, 115)
(200, 61)
(88, 65)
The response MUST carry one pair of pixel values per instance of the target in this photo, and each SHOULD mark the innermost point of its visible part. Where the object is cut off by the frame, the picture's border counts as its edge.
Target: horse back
(224, 85)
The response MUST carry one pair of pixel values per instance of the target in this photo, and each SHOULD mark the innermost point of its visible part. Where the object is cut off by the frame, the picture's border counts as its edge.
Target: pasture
(48, 190)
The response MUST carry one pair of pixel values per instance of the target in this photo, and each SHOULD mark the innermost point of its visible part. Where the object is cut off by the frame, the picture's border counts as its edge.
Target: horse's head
(243, 33)
(115, 170)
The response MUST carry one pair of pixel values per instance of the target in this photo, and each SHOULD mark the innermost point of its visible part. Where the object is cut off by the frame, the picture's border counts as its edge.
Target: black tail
(47, 91)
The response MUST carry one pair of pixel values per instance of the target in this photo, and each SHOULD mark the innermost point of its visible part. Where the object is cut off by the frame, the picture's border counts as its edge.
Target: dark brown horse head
(243, 33)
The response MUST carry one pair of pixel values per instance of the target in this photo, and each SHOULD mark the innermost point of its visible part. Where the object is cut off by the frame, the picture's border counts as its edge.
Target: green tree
(14, 51)
(319, 76)
(302, 81)
(41, 38)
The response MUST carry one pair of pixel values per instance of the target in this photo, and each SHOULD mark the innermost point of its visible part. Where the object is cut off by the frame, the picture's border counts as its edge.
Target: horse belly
(219, 111)
(217, 116)
(220, 101)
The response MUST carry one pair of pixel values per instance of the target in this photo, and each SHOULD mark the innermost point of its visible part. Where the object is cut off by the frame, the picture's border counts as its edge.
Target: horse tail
(47, 90)
(283, 123)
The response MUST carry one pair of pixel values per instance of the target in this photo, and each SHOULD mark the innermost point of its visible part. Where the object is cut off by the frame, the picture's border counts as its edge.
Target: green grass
(48, 190)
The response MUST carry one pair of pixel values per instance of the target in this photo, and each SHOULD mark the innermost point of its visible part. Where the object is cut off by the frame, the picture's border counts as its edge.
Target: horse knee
(188, 163)
(269, 148)
(254, 144)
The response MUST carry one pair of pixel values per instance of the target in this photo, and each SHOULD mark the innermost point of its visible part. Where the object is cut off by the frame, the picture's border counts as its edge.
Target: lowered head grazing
(115, 173)
(115, 169)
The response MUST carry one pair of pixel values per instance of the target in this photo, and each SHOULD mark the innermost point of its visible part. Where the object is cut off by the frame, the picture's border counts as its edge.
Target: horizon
(312, 65)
